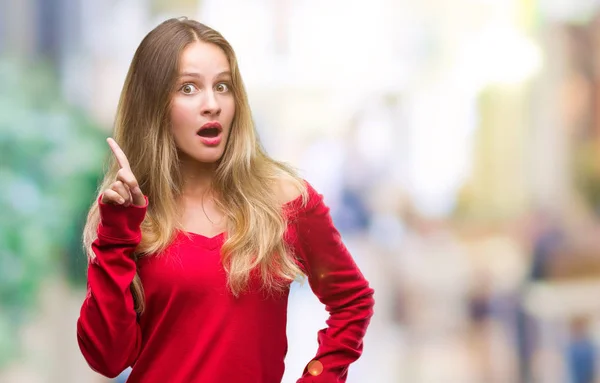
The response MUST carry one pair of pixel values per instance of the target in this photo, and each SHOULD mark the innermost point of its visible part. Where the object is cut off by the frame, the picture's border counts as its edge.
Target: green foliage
(51, 156)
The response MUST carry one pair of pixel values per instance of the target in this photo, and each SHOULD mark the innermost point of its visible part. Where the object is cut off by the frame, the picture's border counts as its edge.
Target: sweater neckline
(211, 242)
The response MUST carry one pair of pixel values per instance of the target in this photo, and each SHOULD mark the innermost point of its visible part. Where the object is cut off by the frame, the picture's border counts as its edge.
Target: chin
(208, 158)
(202, 155)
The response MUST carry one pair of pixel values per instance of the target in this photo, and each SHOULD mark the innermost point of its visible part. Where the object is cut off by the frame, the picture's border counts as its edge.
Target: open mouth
(209, 132)
(211, 129)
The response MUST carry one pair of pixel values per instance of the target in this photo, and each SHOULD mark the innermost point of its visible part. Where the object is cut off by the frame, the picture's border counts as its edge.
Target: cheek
(228, 111)
(180, 121)
(179, 114)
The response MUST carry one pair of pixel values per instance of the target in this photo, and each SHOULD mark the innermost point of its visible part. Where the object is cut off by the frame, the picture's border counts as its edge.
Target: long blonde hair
(245, 177)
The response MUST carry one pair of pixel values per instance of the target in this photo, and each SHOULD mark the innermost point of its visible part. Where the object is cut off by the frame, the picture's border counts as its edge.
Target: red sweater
(193, 330)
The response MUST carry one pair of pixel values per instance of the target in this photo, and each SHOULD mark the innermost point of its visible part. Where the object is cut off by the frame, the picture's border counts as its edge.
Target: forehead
(203, 58)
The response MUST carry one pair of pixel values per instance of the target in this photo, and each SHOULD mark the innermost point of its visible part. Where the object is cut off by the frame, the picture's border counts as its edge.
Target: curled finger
(110, 196)
(123, 191)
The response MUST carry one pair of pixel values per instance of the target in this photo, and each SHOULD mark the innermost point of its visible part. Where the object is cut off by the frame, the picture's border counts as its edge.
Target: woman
(197, 234)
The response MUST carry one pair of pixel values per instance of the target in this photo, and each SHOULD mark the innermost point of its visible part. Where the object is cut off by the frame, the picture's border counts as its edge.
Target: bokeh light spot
(315, 368)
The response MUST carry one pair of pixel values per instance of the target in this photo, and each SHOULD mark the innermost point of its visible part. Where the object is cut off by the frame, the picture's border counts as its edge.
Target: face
(203, 105)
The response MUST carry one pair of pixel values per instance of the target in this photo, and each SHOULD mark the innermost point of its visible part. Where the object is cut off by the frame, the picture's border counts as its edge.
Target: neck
(197, 178)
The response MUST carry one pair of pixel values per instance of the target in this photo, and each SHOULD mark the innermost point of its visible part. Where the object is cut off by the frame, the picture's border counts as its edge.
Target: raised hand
(125, 190)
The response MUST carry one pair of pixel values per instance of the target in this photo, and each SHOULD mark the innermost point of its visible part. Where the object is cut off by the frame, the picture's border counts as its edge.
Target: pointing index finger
(118, 153)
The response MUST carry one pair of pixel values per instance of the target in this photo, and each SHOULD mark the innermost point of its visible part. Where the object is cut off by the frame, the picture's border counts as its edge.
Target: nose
(210, 105)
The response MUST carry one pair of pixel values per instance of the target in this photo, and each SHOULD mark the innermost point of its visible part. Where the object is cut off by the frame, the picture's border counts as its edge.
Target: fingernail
(137, 190)
(121, 200)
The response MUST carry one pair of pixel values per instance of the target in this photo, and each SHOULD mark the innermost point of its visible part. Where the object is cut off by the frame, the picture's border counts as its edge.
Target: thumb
(138, 197)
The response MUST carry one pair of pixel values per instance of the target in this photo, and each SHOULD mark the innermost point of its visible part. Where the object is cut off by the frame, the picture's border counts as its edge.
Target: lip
(211, 124)
(211, 141)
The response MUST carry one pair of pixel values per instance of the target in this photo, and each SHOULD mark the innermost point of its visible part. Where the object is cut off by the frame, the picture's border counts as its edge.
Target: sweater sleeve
(338, 283)
(108, 334)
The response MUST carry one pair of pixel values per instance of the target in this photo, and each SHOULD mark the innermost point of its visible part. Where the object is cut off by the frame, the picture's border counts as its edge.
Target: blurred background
(456, 141)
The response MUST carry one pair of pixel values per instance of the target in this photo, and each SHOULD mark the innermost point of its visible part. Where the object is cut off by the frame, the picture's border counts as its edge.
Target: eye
(188, 89)
(222, 87)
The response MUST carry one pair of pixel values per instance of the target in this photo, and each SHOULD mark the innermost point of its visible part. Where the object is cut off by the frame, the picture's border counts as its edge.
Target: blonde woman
(197, 234)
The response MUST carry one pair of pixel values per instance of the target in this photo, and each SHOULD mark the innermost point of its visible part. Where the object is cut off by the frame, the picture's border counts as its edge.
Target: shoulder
(288, 189)
(298, 197)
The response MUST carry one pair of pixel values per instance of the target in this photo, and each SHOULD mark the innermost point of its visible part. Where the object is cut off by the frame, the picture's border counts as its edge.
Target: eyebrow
(198, 75)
